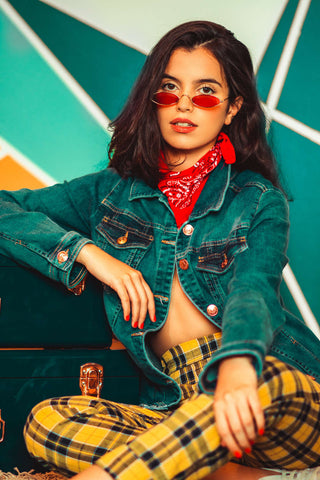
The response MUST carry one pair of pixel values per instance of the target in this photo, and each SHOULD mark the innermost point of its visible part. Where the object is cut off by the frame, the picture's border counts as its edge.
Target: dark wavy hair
(136, 141)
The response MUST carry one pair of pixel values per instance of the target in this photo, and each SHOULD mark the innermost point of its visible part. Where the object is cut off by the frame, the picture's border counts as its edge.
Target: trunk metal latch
(91, 379)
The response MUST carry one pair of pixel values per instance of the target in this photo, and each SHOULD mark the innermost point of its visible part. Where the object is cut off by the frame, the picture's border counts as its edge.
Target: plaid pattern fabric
(72, 432)
(291, 401)
(185, 445)
(131, 442)
(184, 362)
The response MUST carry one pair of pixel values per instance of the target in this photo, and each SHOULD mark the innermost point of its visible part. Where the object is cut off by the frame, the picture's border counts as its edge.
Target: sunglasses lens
(165, 98)
(205, 101)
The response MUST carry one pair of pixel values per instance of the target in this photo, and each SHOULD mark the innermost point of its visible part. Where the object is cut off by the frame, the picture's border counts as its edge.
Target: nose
(185, 103)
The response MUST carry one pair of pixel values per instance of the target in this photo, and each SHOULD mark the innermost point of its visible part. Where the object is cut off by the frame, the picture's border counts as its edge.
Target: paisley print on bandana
(180, 187)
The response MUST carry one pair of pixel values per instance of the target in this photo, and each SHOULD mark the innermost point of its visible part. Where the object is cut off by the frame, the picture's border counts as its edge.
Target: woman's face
(190, 131)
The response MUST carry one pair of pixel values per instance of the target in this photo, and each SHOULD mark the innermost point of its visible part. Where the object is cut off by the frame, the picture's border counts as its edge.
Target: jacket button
(62, 256)
(184, 264)
(212, 310)
(122, 240)
(188, 229)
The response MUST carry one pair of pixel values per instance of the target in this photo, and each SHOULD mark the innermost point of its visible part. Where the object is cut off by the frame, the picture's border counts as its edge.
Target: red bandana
(183, 188)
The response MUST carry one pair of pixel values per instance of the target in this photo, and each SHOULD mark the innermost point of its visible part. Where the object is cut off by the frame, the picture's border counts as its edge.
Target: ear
(233, 110)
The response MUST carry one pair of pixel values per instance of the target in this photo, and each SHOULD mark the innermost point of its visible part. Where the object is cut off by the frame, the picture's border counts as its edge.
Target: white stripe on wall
(287, 54)
(292, 123)
(300, 300)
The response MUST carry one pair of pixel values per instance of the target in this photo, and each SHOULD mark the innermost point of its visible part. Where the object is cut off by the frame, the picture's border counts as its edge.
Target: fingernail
(127, 318)
(261, 431)
(134, 325)
(142, 325)
(238, 454)
(248, 450)
(154, 320)
(251, 442)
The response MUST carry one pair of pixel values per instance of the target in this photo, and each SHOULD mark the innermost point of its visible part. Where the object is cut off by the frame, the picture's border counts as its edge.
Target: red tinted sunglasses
(204, 101)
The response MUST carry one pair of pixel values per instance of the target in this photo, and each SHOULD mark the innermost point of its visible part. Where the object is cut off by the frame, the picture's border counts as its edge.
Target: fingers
(257, 412)
(136, 298)
(135, 294)
(122, 292)
(224, 429)
(239, 417)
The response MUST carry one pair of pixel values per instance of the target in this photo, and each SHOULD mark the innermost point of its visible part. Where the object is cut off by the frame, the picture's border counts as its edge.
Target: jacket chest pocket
(218, 256)
(124, 236)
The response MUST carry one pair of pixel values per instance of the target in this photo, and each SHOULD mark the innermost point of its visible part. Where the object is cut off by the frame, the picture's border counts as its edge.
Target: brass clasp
(2, 428)
(91, 379)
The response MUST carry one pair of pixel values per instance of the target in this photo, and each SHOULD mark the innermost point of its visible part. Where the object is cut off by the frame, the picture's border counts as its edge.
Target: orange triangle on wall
(13, 176)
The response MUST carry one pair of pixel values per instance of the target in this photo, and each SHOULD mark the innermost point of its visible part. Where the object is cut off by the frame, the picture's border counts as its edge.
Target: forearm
(41, 229)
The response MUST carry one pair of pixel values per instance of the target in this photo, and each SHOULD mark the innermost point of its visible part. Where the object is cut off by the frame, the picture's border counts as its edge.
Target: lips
(183, 125)
(183, 122)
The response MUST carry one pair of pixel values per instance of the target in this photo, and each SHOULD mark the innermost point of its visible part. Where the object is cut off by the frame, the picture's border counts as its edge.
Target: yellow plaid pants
(135, 443)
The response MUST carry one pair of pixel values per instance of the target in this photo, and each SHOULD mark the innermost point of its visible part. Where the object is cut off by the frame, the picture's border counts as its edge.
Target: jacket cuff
(209, 374)
(63, 266)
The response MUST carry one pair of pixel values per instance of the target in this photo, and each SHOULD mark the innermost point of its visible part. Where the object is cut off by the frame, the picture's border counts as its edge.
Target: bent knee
(42, 421)
(34, 427)
(280, 380)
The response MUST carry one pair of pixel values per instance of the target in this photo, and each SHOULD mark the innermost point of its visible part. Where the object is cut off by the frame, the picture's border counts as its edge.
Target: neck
(179, 160)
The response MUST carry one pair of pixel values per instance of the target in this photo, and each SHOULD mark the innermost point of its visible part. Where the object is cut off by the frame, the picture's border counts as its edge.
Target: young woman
(187, 229)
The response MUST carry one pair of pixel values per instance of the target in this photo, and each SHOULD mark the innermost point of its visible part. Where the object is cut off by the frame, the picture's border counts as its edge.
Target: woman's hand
(135, 294)
(238, 413)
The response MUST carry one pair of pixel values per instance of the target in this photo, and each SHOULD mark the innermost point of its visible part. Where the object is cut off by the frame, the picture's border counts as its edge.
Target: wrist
(85, 253)
(236, 361)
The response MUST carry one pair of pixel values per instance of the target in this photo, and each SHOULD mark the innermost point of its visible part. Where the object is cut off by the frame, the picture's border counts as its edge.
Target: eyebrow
(201, 80)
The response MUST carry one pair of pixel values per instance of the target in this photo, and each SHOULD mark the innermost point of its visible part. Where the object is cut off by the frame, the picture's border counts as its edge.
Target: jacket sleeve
(45, 229)
(253, 313)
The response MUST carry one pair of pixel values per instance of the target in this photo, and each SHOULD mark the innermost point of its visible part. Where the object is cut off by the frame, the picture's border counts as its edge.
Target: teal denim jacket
(229, 262)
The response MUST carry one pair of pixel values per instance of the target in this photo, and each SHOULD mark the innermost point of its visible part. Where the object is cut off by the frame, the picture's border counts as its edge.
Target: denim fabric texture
(235, 254)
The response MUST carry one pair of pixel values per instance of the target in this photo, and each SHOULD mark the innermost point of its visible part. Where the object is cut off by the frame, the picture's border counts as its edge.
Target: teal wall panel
(39, 114)
(299, 160)
(271, 57)
(300, 96)
(297, 155)
(104, 67)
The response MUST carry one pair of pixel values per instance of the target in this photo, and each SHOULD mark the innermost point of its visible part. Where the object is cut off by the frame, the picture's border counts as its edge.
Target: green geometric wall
(293, 99)
(62, 81)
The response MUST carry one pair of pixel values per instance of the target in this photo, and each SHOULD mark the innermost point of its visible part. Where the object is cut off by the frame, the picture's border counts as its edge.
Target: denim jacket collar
(214, 191)
(211, 198)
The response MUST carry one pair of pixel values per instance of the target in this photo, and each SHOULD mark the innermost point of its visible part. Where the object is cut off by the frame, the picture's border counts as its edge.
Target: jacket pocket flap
(217, 256)
(125, 231)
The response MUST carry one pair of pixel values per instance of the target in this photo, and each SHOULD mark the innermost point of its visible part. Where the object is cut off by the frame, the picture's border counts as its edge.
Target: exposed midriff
(184, 322)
